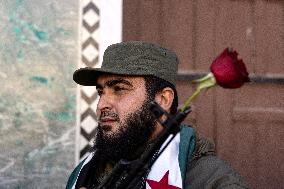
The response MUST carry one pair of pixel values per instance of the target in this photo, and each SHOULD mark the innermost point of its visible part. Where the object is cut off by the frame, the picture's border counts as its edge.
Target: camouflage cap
(135, 58)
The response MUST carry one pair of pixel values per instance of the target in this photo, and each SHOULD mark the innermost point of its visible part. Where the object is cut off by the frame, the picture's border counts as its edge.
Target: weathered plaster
(38, 53)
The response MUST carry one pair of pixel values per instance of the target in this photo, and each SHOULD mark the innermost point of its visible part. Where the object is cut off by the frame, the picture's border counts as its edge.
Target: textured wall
(38, 53)
(246, 124)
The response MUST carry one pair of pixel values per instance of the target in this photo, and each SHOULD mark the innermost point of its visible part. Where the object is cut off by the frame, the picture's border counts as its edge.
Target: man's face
(125, 121)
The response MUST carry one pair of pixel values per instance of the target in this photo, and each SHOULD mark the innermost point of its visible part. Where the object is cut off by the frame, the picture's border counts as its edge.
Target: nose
(104, 103)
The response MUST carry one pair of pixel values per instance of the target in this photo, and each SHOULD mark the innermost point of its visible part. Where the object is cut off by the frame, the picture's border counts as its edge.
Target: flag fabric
(165, 172)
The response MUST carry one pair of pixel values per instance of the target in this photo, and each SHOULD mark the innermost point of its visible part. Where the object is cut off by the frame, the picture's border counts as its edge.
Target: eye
(100, 91)
(118, 88)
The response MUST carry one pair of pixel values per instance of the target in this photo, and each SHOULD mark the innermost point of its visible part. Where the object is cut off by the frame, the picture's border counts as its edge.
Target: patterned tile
(89, 32)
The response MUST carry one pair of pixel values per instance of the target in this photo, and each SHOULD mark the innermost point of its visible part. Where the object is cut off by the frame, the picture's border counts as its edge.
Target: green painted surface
(38, 48)
(39, 79)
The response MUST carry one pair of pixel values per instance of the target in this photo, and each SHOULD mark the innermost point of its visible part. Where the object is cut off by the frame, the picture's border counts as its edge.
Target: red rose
(228, 70)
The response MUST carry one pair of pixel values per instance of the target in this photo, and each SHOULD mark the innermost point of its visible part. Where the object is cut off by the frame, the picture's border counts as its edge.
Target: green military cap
(132, 58)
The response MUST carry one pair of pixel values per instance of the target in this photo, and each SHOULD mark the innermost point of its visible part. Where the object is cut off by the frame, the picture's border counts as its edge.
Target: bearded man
(133, 74)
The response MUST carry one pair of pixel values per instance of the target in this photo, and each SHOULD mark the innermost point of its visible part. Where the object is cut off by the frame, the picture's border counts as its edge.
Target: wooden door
(246, 124)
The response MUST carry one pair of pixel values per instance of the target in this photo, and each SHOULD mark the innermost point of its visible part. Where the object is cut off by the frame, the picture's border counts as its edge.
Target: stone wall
(38, 54)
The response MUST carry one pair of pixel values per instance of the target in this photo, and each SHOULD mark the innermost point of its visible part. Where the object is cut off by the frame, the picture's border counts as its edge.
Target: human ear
(165, 98)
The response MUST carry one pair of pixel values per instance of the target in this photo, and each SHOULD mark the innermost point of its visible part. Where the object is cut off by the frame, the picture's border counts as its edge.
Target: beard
(131, 137)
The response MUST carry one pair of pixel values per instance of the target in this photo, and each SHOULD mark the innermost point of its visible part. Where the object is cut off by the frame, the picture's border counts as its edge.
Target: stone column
(100, 26)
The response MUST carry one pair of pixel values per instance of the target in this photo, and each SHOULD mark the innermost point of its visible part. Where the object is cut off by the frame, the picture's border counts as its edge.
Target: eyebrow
(114, 82)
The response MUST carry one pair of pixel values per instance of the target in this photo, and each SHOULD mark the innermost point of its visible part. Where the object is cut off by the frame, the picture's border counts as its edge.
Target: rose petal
(228, 70)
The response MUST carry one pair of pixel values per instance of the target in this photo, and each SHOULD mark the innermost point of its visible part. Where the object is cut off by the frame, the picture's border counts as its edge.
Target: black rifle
(128, 175)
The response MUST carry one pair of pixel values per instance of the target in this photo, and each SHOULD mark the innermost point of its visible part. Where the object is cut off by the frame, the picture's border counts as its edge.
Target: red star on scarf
(162, 184)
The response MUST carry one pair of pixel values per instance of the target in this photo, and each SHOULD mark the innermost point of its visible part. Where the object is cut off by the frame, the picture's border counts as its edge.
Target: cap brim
(87, 76)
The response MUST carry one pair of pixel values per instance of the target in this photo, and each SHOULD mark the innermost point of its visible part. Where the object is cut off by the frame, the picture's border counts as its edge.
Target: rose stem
(190, 99)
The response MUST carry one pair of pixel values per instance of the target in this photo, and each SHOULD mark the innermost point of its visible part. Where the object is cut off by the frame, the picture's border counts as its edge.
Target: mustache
(108, 114)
